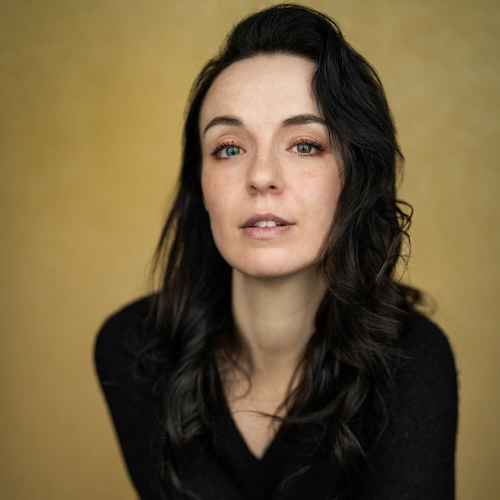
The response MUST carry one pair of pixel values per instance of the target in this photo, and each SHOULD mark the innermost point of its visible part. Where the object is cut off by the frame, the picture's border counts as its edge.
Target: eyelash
(309, 142)
(221, 146)
(315, 144)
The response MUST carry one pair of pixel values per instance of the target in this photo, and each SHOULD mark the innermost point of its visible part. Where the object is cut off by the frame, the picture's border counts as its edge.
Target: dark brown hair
(347, 363)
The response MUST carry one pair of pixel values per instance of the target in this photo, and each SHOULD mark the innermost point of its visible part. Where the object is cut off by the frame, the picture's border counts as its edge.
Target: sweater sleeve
(131, 401)
(414, 458)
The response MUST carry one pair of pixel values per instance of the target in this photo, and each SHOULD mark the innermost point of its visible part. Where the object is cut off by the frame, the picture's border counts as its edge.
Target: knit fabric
(413, 460)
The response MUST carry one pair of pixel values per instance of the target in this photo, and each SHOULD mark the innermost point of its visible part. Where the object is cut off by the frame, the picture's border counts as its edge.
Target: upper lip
(267, 217)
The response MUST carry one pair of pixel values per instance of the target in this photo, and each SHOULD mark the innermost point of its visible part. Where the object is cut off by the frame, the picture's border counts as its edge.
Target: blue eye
(304, 148)
(231, 151)
(307, 148)
(224, 151)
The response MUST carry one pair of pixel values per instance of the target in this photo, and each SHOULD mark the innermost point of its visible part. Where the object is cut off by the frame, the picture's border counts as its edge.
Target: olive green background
(92, 96)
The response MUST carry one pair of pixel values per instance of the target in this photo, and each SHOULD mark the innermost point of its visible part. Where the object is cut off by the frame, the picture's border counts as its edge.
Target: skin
(267, 156)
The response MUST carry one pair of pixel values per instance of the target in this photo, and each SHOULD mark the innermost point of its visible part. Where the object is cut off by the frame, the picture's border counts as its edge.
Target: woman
(280, 358)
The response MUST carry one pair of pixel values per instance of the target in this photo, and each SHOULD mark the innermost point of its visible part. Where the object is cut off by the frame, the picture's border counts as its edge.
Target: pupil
(232, 151)
(304, 148)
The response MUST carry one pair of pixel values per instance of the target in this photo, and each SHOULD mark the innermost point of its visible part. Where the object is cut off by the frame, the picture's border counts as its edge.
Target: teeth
(266, 223)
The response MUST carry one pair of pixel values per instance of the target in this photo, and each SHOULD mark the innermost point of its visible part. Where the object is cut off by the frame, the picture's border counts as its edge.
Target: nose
(265, 174)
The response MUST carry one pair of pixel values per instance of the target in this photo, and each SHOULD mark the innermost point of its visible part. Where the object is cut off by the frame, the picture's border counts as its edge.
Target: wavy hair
(347, 362)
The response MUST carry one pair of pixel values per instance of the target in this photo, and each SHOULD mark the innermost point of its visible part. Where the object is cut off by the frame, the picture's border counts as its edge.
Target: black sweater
(414, 459)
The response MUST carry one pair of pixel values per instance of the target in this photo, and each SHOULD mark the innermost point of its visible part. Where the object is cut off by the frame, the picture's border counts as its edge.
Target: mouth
(265, 220)
(266, 223)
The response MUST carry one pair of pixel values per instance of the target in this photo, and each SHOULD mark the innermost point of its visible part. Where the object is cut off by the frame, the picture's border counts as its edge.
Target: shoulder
(414, 457)
(420, 331)
(130, 317)
(426, 377)
(129, 387)
(122, 335)
(426, 355)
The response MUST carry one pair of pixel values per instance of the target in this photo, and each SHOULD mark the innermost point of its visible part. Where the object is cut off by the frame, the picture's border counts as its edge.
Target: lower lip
(266, 232)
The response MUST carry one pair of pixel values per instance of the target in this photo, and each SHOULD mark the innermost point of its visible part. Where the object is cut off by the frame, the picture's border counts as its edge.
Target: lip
(267, 232)
(249, 223)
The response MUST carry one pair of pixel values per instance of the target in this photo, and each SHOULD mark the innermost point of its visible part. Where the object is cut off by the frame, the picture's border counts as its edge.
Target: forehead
(279, 83)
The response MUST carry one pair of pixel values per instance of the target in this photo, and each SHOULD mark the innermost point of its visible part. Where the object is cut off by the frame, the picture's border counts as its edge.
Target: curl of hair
(347, 362)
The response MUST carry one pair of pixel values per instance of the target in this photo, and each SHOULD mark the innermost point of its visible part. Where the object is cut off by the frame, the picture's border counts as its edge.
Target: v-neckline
(268, 452)
(238, 436)
(256, 477)
(292, 448)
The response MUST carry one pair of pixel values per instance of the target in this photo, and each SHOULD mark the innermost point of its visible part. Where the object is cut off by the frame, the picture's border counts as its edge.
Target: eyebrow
(303, 120)
(223, 120)
(288, 122)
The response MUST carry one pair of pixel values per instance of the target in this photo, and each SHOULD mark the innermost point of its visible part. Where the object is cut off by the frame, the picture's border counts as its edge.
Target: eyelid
(309, 141)
(233, 142)
(224, 144)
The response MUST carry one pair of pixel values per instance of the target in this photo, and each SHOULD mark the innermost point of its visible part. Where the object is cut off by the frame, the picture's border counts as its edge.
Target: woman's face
(270, 177)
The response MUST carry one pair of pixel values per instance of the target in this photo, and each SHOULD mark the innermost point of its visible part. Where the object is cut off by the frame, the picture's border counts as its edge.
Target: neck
(274, 320)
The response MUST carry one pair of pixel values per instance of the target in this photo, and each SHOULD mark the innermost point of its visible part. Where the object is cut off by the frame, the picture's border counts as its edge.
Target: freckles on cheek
(206, 191)
(208, 202)
(211, 198)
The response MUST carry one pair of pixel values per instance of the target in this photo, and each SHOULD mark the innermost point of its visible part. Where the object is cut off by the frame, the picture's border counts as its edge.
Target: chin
(274, 270)
(264, 274)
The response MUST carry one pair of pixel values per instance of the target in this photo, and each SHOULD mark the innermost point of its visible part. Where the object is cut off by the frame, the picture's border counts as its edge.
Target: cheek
(208, 190)
(327, 208)
(326, 197)
(333, 198)
(217, 205)
(214, 200)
